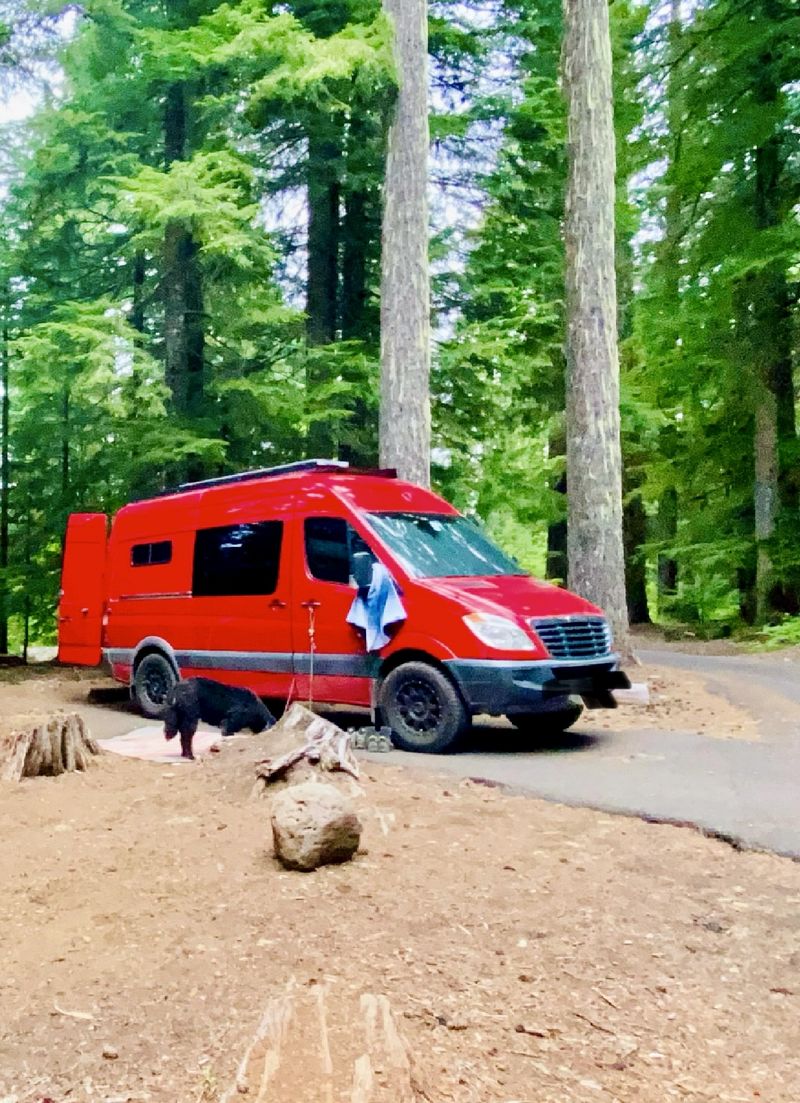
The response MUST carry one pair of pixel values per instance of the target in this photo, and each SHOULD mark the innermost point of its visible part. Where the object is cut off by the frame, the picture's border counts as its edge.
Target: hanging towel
(376, 607)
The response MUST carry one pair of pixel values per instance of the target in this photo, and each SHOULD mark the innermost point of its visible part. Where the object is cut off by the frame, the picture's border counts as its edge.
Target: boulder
(314, 824)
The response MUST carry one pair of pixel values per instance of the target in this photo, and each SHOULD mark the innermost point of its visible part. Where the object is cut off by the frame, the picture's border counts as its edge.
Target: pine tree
(595, 551)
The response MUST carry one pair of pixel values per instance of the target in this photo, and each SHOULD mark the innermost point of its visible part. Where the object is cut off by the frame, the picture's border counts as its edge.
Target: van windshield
(439, 545)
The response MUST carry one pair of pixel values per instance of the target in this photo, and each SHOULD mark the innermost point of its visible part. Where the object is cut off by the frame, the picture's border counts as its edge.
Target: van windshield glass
(440, 545)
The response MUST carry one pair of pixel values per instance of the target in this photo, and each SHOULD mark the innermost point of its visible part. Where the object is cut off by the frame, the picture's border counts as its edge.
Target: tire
(153, 679)
(423, 708)
(546, 723)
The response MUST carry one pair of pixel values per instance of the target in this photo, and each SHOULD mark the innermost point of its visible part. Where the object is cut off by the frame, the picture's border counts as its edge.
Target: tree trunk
(667, 528)
(667, 520)
(44, 746)
(405, 417)
(137, 284)
(594, 468)
(635, 535)
(766, 493)
(65, 428)
(769, 325)
(184, 331)
(322, 282)
(5, 489)
(323, 238)
(556, 561)
(360, 249)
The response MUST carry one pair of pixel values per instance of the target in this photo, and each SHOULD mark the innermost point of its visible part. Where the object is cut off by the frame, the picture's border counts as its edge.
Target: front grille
(574, 637)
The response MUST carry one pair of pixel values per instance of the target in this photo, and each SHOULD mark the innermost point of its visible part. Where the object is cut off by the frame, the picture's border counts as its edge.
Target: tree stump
(44, 746)
(300, 736)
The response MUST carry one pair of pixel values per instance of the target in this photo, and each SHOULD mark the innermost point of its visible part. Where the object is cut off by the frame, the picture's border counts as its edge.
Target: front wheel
(154, 678)
(546, 723)
(423, 708)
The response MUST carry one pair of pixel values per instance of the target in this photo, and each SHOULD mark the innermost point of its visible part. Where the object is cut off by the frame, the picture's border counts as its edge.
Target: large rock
(313, 824)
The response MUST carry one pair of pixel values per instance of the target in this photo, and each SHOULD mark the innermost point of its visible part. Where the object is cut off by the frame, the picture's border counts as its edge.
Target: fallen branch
(85, 1016)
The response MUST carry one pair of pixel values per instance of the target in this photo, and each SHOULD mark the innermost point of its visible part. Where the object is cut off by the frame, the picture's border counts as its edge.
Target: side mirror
(362, 568)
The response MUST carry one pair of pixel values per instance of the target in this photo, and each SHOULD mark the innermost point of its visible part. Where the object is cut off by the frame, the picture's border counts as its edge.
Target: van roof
(320, 485)
(286, 469)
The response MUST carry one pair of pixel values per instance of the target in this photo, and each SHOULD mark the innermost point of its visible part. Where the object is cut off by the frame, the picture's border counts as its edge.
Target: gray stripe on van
(272, 662)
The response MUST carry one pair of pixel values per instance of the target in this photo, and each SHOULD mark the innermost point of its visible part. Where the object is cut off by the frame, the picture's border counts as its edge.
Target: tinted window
(435, 545)
(330, 543)
(150, 555)
(237, 559)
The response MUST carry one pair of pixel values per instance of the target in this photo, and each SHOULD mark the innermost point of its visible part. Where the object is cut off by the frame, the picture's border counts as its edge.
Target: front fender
(417, 641)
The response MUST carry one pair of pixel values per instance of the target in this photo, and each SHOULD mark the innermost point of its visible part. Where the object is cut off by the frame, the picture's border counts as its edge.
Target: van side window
(237, 559)
(330, 543)
(327, 548)
(151, 555)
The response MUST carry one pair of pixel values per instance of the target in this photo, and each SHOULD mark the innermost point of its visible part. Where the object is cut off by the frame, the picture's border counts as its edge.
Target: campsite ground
(529, 951)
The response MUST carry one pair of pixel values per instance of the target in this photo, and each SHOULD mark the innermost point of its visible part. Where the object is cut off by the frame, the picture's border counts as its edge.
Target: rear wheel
(423, 708)
(546, 723)
(154, 678)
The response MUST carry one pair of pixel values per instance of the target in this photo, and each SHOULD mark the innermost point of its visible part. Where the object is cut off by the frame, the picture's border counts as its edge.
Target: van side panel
(83, 588)
(150, 579)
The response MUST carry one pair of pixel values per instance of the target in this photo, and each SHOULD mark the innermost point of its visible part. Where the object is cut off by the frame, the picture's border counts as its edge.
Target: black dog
(227, 707)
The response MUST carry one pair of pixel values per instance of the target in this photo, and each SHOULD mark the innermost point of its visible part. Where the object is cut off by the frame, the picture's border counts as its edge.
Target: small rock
(313, 824)
(111, 1053)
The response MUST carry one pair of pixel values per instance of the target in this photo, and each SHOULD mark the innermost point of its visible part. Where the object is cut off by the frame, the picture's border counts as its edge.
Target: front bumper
(507, 687)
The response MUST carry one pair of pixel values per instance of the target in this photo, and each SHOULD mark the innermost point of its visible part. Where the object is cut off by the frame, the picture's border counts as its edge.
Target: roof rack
(285, 469)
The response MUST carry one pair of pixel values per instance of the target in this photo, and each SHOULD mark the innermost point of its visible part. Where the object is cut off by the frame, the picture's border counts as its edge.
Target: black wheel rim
(419, 706)
(156, 684)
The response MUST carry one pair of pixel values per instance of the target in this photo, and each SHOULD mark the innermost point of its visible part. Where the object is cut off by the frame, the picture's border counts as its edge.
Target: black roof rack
(284, 469)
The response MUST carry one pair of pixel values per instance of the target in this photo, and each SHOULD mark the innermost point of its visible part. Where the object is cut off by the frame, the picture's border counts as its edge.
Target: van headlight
(499, 632)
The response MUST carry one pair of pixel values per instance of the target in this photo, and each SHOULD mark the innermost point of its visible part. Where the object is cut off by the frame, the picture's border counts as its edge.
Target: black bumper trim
(501, 687)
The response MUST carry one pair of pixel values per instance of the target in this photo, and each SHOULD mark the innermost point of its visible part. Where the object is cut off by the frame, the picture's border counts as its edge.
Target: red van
(249, 579)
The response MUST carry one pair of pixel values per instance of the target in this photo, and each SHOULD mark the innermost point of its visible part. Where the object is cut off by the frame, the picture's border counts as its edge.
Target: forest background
(190, 269)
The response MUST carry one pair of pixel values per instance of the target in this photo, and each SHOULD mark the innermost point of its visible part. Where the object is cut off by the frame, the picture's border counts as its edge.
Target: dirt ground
(530, 953)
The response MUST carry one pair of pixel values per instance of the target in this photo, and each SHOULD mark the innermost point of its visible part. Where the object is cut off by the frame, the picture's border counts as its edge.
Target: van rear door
(80, 610)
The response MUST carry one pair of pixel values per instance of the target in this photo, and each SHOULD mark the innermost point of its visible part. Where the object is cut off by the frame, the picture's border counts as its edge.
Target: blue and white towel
(376, 609)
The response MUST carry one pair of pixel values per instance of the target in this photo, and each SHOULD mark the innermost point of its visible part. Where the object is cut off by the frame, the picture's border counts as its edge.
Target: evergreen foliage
(190, 269)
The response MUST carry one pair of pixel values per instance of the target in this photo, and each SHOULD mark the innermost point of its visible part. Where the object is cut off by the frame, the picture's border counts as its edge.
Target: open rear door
(83, 590)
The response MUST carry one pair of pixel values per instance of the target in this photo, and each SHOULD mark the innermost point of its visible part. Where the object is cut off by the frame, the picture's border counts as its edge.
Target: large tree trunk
(405, 418)
(184, 331)
(594, 468)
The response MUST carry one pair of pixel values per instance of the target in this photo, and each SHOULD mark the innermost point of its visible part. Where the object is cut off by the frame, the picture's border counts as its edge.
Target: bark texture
(405, 420)
(44, 746)
(594, 469)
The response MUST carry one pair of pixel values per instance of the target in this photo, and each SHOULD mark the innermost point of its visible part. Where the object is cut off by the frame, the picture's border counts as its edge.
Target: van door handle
(311, 604)
(276, 603)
